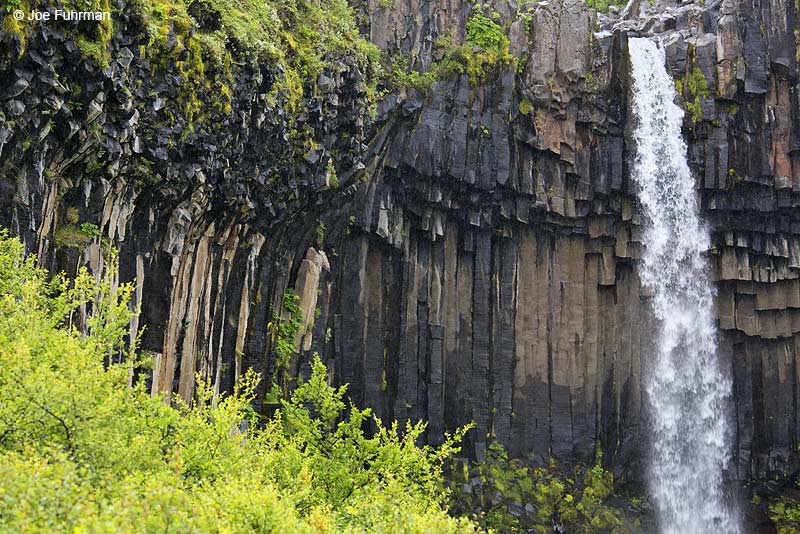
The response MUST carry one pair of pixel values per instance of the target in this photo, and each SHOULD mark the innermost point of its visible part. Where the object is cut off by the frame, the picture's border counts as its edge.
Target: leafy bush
(81, 451)
(785, 514)
(484, 32)
(492, 51)
(512, 495)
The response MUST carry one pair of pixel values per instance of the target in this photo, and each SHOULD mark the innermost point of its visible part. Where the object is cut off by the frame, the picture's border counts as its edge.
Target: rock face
(478, 259)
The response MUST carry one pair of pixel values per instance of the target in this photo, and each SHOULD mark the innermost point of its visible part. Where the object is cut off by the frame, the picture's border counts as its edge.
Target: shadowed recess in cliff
(688, 392)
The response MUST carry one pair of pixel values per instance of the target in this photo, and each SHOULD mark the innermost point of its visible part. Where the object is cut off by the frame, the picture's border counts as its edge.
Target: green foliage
(81, 451)
(484, 32)
(18, 29)
(696, 83)
(796, 38)
(319, 234)
(453, 61)
(578, 501)
(302, 36)
(72, 215)
(785, 513)
(92, 38)
(483, 54)
(603, 5)
(692, 88)
(90, 229)
(285, 329)
(297, 34)
(490, 47)
(72, 236)
(95, 43)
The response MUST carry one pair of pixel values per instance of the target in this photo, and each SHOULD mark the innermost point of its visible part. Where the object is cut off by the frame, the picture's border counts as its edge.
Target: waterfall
(687, 390)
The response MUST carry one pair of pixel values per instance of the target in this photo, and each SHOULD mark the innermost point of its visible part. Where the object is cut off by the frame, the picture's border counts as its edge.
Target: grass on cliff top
(83, 451)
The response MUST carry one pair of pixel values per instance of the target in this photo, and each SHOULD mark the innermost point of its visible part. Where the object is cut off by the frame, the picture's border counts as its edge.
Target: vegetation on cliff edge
(484, 53)
(205, 38)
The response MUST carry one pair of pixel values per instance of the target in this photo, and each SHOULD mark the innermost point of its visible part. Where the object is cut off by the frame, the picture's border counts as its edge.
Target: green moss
(589, 80)
(72, 215)
(525, 107)
(71, 235)
(19, 29)
(206, 40)
(489, 47)
(319, 234)
(679, 86)
(696, 82)
(603, 5)
(484, 53)
(692, 88)
(95, 50)
(453, 62)
(695, 110)
(401, 76)
(797, 40)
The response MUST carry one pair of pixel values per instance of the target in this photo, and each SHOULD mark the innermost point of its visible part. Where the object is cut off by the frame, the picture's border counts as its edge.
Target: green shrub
(484, 53)
(81, 451)
(785, 514)
(490, 47)
(578, 501)
(484, 32)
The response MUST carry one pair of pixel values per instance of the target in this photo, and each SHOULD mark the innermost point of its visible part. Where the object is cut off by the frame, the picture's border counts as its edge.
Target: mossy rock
(70, 236)
(206, 15)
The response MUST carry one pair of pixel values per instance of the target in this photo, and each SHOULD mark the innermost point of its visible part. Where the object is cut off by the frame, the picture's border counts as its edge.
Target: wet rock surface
(479, 256)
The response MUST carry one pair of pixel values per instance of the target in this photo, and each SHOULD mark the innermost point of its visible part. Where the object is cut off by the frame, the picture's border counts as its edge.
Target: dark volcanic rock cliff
(471, 249)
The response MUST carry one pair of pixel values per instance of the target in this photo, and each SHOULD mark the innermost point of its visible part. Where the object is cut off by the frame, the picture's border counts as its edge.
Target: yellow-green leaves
(82, 452)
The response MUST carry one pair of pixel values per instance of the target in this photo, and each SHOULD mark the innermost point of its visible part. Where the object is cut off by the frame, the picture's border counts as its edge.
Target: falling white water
(687, 390)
